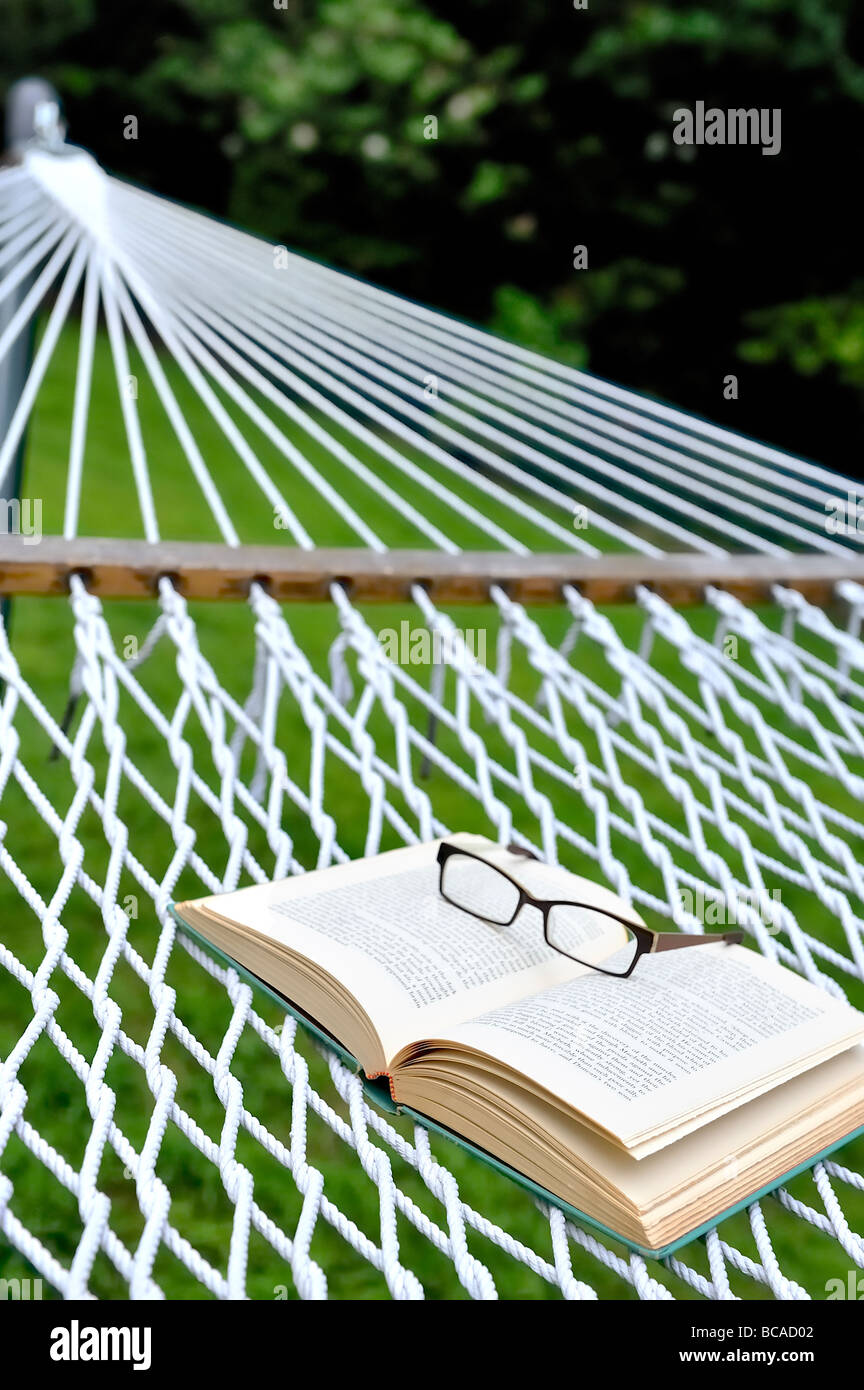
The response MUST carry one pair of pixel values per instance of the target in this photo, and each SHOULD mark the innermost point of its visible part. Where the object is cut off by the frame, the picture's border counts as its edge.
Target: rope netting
(162, 1129)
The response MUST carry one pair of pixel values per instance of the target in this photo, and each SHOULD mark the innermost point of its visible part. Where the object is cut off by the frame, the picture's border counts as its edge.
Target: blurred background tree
(309, 123)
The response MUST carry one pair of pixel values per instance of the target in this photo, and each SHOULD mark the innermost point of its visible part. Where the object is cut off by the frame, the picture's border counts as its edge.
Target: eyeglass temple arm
(675, 940)
(519, 849)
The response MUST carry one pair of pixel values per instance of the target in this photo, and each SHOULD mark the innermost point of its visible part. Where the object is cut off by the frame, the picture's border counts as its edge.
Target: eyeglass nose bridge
(529, 904)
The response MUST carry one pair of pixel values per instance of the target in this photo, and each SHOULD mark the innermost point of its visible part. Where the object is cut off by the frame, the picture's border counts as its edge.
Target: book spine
(388, 1077)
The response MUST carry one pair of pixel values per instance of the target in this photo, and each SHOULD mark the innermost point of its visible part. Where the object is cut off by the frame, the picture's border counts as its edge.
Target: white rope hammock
(358, 415)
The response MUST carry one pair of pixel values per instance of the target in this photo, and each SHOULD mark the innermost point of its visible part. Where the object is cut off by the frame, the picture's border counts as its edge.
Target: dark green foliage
(305, 121)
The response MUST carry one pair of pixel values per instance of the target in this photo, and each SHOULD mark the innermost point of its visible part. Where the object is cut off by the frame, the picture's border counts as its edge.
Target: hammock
(160, 1129)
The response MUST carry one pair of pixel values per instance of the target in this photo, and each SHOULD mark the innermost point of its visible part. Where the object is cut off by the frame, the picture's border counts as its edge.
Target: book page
(415, 963)
(690, 1035)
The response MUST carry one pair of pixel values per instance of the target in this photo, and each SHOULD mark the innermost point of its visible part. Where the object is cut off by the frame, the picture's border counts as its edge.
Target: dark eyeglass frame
(648, 942)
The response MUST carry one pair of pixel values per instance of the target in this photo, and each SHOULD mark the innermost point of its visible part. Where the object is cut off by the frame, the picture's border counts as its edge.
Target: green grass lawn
(42, 640)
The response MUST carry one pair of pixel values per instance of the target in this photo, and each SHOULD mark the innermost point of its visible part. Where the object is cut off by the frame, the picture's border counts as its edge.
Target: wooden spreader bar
(132, 569)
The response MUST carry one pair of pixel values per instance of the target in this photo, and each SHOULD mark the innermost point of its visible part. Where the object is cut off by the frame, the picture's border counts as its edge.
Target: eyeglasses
(585, 933)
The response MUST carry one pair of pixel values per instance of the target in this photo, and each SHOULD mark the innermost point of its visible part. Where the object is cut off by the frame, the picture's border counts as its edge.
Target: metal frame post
(32, 116)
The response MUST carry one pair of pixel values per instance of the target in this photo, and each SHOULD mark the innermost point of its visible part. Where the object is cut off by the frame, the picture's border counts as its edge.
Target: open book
(651, 1104)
